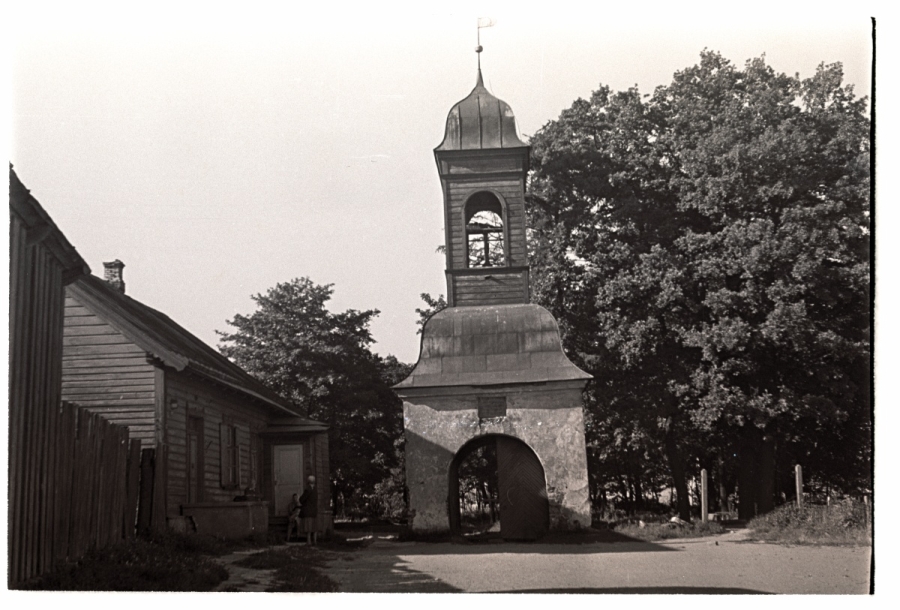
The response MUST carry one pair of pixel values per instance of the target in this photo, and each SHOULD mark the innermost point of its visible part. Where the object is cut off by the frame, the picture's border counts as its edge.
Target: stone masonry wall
(550, 421)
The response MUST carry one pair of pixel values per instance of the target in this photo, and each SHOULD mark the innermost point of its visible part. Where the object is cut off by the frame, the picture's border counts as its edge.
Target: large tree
(706, 250)
(321, 361)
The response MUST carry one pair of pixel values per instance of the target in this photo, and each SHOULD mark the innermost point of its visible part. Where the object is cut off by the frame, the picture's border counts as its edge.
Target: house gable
(105, 372)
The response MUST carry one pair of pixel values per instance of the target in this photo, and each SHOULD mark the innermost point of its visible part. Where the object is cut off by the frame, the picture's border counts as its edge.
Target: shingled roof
(166, 341)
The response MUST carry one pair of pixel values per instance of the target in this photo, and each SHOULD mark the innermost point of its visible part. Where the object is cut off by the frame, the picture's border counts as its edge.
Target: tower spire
(483, 22)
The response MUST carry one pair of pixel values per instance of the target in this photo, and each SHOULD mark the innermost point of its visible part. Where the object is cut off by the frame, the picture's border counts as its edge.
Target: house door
(524, 509)
(194, 460)
(288, 461)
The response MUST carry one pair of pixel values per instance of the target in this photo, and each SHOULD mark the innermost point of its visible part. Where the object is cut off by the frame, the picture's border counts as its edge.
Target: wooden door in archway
(524, 507)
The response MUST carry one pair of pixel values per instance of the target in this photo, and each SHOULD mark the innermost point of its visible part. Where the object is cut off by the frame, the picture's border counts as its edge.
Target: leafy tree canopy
(433, 305)
(706, 251)
(321, 361)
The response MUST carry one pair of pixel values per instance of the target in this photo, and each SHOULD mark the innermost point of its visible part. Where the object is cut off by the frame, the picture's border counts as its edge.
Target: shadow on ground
(588, 540)
(384, 565)
(648, 591)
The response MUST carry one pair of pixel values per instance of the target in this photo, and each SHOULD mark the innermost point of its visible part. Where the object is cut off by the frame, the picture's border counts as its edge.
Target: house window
(229, 457)
(254, 467)
(194, 465)
(491, 406)
(484, 231)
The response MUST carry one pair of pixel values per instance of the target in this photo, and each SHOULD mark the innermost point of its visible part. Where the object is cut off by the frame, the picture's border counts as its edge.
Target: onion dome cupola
(481, 121)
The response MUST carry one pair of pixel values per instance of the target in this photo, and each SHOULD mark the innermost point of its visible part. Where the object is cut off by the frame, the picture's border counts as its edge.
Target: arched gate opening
(519, 480)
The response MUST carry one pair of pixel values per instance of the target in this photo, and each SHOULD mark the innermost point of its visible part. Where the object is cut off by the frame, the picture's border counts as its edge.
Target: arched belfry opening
(492, 376)
(485, 231)
(498, 480)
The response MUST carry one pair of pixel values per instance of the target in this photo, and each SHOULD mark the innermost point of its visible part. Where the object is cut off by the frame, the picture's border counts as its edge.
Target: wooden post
(132, 489)
(145, 493)
(798, 483)
(704, 497)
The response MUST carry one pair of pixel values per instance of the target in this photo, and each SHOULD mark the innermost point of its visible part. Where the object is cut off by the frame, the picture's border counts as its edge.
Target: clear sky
(219, 149)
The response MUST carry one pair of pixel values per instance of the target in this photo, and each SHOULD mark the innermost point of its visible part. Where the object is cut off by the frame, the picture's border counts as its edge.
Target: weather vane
(483, 22)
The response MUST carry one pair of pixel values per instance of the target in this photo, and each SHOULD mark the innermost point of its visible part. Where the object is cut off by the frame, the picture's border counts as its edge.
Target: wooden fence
(80, 491)
(71, 484)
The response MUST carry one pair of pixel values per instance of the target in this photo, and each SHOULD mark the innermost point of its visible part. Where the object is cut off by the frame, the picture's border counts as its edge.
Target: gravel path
(721, 564)
(245, 579)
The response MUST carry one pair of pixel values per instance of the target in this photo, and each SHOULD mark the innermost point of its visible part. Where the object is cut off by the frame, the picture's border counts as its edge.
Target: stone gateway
(492, 370)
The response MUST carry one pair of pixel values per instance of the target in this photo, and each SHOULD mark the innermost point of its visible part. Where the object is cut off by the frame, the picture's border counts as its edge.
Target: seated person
(293, 517)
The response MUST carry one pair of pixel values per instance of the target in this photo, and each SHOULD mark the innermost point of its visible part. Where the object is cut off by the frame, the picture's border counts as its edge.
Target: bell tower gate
(492, 363)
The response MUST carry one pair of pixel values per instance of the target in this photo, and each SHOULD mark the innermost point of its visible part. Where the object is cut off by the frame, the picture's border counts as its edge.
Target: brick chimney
(112, 273)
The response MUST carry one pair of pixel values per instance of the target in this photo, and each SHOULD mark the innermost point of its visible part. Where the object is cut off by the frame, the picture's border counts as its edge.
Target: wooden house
(228, 452)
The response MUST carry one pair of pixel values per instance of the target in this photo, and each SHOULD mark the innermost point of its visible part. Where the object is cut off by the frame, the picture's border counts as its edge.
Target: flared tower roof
(480, 121)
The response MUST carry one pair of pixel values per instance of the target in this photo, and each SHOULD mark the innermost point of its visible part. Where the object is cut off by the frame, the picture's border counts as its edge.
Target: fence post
(704, 497)
(145, 495)
(798, 483)
(132, 489)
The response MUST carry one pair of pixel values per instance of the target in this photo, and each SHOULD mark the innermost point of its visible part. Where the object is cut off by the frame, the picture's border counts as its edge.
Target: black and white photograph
(479, 298)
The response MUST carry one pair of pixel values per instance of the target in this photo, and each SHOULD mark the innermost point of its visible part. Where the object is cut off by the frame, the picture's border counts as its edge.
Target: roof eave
(99, 305)
(277, 406)
(42, 229)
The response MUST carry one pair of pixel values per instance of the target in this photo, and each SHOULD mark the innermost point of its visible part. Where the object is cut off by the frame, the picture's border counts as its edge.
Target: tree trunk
(676, 466)
(638, 492)
(765, 499)
(720, 480)
(748, 477)
(757, 473)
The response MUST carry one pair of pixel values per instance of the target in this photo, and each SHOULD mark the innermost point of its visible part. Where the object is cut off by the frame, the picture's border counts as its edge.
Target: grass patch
(667, 531)
(841, 523)
(166, 563)
(296, 568)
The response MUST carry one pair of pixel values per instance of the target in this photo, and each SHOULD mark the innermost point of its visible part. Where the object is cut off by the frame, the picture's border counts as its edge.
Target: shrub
(843, 522)
(161, 564)
(665, 531)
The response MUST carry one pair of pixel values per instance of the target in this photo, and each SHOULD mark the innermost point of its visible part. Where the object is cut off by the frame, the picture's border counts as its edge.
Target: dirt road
(722, 564)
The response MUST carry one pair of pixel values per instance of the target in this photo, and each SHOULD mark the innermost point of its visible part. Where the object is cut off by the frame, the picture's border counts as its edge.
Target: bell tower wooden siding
(500, 172)
(108, 374)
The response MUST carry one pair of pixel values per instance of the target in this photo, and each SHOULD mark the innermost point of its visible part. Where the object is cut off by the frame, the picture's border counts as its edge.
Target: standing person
(309, 510)
(293, 517)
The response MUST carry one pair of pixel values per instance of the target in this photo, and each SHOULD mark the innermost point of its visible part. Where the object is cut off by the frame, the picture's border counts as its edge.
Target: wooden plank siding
(458, 192)
(19, 356)
(499, 289)
(190, 396)
(104, 372)
(483, 165)
(36, 286)
(66, 483)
